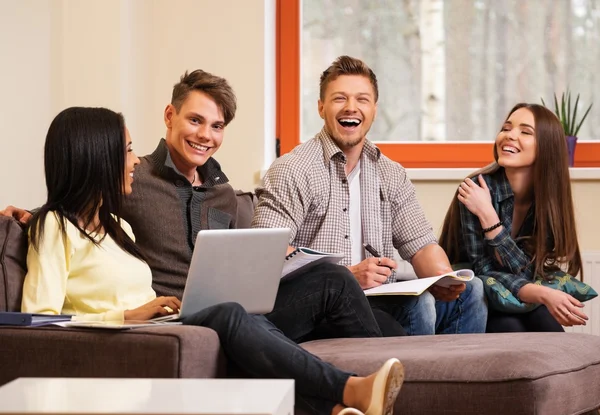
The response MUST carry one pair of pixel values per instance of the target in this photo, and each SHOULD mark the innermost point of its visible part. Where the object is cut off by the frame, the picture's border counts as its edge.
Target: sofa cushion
(13, 263)
(153, 352)
(516, 373)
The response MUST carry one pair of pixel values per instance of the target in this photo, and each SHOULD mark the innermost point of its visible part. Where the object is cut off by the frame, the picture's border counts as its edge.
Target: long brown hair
(554, 219)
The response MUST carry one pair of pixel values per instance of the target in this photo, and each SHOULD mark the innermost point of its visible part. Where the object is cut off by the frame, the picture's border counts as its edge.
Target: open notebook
(303, 258)
(117, 325)
(419, 285)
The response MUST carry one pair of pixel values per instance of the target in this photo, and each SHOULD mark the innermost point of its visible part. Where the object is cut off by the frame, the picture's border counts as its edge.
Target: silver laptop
(234, 265)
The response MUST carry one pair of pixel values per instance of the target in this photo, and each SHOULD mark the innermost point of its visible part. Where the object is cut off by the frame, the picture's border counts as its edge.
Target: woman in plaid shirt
(513, 220)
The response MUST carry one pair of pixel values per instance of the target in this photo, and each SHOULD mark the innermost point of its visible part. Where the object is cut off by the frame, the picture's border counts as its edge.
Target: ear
(168, 115)
(321, 112)
(375, 112)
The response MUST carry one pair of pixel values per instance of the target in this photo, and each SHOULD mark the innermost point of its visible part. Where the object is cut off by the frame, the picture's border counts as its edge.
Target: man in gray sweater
(180, 189)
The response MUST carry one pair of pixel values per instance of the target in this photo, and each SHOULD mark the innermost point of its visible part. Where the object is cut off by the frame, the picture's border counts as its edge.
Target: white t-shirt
(358, 252)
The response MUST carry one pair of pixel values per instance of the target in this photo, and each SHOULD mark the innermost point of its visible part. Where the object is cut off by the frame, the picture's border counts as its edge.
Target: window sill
(455, 175)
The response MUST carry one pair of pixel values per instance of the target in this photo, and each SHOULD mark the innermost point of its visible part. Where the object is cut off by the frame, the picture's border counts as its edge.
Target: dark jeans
(258, 348)
(325, 302)
(539, 319)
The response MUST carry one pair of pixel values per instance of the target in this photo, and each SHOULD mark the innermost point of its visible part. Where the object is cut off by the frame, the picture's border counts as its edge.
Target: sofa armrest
(154, 352)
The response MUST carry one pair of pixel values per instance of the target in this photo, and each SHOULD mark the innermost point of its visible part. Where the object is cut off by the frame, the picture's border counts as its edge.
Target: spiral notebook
(302, 259)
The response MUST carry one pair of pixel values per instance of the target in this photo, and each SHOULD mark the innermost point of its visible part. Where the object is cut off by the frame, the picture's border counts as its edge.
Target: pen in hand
(374, 252)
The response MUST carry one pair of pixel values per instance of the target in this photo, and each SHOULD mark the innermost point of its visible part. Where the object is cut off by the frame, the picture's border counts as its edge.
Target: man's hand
(447, 293)
(160, 306)
(372, 272)
(19, 214)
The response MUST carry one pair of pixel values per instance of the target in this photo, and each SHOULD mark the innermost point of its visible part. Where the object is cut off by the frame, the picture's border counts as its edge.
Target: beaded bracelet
(491, 228)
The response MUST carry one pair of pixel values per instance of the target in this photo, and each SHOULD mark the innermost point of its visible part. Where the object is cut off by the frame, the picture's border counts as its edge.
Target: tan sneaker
(350, 411)
(386, 388)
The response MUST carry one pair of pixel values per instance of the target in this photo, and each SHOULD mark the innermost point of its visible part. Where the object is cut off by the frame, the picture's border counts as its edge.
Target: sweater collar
(162, 163)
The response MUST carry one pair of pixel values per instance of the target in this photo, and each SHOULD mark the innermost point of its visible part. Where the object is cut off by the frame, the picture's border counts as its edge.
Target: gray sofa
(533, 373)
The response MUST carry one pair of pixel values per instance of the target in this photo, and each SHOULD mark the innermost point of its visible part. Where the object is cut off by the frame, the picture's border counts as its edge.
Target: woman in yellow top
(82, 260)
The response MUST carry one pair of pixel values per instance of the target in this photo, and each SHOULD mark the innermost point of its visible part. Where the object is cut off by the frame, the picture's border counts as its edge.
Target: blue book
(9, 318)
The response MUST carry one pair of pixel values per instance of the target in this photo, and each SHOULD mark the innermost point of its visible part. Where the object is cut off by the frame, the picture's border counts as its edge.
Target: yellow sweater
(73, 276)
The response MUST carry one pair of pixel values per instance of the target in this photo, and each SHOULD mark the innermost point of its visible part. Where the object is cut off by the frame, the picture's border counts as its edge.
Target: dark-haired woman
(82, 260)
(513, 220)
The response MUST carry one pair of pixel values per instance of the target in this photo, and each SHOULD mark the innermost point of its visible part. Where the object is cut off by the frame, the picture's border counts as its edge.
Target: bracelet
(491, 228)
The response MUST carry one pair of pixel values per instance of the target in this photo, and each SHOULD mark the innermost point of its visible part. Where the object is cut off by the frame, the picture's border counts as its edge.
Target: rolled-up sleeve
(281, 199)
(411, 231)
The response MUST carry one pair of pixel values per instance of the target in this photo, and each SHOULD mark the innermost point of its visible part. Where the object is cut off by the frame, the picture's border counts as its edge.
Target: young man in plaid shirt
(337, 192)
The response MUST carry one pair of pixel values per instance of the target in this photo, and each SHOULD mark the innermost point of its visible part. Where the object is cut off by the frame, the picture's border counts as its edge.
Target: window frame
(410, 155)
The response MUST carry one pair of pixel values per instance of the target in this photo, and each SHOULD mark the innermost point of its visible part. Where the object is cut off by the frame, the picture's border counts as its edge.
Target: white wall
(126, 55)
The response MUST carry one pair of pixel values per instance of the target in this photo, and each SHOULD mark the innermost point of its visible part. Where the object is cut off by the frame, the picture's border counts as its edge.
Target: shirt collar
(162, 162)
(331, 149)
(503, 190)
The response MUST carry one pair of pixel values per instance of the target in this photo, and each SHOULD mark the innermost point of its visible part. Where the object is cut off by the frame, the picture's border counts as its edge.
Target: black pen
(372, 251)
(376, 254)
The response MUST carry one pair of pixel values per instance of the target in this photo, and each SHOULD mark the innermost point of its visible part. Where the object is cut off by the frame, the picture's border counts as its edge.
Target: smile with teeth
(349, 122)
(510, 149)
(197, 146)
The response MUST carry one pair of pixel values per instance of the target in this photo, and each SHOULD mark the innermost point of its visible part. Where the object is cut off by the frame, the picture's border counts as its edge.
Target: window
(448, 71)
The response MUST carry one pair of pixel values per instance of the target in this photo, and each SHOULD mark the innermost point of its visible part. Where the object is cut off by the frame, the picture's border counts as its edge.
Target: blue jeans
(258, 348)
(421, 315)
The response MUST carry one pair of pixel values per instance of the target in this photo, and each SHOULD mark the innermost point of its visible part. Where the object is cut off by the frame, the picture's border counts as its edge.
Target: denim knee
(423, 315)
(474, 307)
(340, 277)
(230, 308)
(474, 292)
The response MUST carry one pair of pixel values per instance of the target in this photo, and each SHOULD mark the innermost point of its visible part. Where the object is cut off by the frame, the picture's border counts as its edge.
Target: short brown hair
(347, 65)
(214, 86)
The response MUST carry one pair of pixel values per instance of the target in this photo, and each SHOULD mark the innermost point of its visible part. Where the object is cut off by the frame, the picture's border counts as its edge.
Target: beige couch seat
(511, 373)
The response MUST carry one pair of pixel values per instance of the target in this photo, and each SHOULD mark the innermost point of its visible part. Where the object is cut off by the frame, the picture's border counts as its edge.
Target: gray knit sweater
(166, 213)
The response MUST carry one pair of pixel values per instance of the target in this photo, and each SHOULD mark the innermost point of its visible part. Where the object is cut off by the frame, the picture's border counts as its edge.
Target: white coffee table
(148, 396)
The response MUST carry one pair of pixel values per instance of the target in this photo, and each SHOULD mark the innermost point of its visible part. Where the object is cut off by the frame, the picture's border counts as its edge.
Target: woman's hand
(564, 308)
(160, 306)
(476, 198)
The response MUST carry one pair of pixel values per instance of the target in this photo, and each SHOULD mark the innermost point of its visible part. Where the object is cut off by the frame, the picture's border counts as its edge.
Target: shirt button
(345, 236)
(345, 209)
(344, 181)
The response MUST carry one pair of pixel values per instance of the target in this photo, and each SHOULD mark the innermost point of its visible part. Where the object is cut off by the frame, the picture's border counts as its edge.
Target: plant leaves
(568, 115)
(572, 132)
(582, 119)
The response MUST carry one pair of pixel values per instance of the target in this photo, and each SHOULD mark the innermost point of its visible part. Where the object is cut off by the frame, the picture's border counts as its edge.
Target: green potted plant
(567, 115)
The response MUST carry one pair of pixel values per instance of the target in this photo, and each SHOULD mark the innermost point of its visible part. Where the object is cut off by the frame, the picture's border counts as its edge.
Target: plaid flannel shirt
(307, 191)
(516, 268)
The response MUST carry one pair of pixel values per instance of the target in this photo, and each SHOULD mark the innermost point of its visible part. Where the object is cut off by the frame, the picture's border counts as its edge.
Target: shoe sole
(394, 383)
